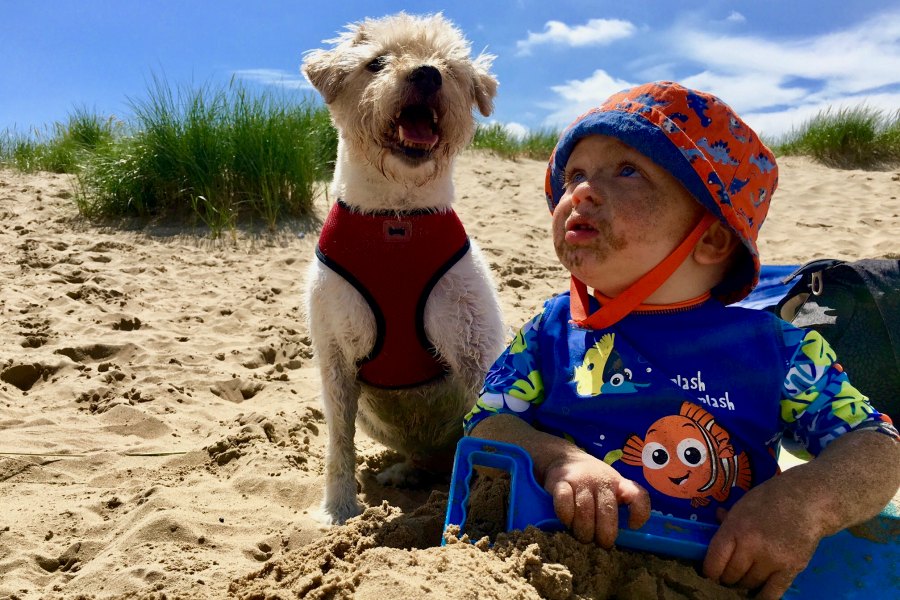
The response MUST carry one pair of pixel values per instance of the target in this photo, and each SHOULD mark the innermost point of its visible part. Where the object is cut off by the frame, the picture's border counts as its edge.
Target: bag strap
(813, 266)
(810, 275)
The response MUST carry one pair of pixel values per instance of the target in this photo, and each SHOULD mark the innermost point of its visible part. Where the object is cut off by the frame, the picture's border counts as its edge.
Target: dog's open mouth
(417, 131)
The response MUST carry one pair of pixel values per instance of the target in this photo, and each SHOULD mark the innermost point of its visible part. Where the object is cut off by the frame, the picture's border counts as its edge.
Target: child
(650, 392)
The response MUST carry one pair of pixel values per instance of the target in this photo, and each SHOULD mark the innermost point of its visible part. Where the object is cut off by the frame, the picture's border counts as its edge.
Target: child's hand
(770, 534)
(586, 494)
(765, 540)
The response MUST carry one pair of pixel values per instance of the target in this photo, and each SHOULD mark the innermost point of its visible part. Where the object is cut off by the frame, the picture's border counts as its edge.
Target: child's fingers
(758, 573)
(718, 555)
(564, 502)
(737, 568)
(606, 519)
(776, 586)
(585, 514)
(638, 501)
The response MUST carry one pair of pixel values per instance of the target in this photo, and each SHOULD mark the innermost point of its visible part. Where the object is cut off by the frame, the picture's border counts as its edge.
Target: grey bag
(856, 307)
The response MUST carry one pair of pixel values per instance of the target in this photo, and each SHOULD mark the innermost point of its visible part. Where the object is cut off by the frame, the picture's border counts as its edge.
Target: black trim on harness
(426, 292)
(370, 300)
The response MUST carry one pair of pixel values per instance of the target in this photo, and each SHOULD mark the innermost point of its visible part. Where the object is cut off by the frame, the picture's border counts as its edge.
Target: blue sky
(777, 62)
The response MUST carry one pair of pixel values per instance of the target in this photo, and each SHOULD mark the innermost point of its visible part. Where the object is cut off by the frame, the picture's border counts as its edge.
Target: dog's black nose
(426, 79)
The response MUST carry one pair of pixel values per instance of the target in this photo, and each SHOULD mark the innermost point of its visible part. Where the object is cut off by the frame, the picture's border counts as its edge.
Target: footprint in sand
(99, 352)
(25, 375)
(68, 561)
(236, 390)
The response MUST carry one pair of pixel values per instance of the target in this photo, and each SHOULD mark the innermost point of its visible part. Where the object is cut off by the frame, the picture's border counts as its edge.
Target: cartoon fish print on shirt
(603, 372)
(689, 456)
(524, 392)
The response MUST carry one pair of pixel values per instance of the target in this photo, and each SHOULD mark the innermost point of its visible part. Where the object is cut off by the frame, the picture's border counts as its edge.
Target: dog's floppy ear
(485, 84)
(319, 69)
(326, 70)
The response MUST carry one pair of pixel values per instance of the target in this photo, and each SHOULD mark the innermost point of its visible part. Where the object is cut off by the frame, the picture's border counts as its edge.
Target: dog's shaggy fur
(401, 91)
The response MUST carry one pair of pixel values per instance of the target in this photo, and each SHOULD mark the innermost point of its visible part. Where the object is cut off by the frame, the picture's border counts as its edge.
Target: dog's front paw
(403, 475)
(336, 512)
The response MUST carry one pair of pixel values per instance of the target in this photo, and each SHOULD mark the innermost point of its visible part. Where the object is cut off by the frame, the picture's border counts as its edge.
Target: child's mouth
(579, 231)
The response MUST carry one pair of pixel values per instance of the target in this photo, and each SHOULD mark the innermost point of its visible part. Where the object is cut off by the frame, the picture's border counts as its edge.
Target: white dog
(403, 314)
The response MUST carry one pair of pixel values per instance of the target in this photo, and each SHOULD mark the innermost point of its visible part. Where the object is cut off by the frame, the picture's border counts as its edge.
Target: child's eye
(628, 171)
(574, 178)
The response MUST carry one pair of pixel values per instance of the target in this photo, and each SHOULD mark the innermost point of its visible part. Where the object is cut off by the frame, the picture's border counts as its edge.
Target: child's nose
(583, 192)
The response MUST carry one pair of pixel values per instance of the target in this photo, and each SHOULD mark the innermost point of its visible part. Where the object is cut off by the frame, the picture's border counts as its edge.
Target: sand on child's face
(621, 214)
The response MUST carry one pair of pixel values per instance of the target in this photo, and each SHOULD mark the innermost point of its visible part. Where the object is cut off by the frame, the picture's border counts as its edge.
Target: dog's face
(401, 91)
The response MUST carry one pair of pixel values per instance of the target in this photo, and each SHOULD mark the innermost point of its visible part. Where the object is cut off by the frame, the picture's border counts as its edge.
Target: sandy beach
(160, 428)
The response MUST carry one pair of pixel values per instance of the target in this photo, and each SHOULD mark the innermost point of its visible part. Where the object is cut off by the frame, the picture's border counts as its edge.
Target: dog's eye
(376, 64)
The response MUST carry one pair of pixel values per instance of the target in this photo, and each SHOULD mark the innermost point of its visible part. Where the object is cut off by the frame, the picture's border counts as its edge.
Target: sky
(776, 62)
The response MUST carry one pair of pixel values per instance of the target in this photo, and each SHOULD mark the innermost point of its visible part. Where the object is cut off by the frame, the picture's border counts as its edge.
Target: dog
(401, 91)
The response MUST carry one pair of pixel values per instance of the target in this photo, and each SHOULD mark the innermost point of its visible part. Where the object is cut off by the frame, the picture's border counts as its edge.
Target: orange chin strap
(619, 307)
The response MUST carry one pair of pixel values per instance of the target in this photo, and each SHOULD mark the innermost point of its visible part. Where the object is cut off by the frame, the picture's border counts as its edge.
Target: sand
(160, 427)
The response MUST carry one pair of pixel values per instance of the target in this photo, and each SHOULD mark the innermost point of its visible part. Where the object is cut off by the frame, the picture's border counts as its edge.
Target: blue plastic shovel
(863, 564)
(530, 504)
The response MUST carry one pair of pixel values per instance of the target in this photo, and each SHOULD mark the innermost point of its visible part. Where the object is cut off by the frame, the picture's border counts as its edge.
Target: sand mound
(385, 553)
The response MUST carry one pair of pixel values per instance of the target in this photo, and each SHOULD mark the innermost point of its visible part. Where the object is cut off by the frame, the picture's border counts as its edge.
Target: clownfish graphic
(689, 455)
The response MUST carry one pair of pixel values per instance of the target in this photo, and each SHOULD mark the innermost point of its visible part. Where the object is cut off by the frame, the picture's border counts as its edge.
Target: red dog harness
(394, 260)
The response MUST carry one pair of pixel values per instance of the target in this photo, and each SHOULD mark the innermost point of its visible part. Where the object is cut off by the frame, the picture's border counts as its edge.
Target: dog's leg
(340, 399)
(463, 321)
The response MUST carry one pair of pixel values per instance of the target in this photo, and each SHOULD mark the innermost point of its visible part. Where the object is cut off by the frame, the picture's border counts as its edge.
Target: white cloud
(517, 130)
(275, 77)
(736, 17)
(577, 96)
(864, 57)
(745, 93)
(597, 32)
(773, 84)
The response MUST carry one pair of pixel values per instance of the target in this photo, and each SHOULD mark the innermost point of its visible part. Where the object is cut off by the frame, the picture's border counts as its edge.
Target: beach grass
(856, 137)
(60, 148)
(497, 139)
(219, 154)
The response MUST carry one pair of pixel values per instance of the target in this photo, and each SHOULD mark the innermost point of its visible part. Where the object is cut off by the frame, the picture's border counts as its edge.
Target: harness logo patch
(397, 231)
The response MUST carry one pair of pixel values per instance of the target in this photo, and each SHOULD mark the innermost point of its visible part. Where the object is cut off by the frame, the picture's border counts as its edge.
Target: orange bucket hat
(700, 141)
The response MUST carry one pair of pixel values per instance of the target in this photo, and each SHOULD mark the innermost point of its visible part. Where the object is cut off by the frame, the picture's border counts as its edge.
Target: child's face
(620, 214)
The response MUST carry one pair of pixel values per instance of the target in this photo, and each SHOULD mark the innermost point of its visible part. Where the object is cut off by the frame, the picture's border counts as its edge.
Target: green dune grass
(857, 137)
(219, 154)
(497, 139)
(61, 148)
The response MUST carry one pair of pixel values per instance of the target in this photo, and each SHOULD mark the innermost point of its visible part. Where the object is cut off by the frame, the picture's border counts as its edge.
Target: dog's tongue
(417, 127)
